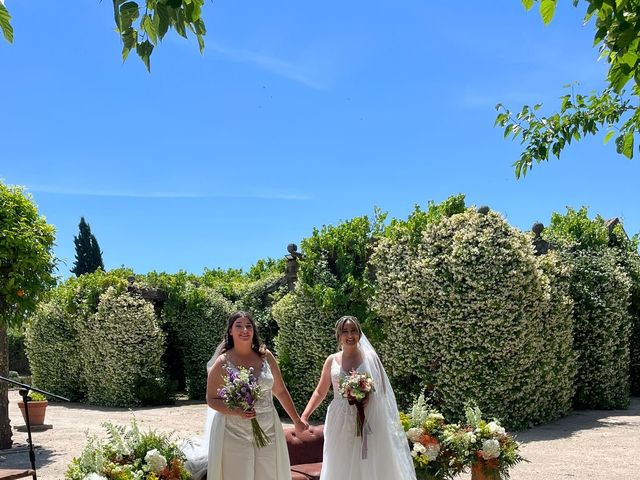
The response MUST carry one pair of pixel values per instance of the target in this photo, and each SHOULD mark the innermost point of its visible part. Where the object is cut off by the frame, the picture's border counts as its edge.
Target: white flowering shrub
(602, 326)
(52, 348)
(305, 339)
(120, 344)
(467, 310)
(195, 318)
(333, 281)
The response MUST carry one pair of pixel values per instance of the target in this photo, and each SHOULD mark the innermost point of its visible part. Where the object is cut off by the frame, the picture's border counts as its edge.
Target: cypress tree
(88, 254)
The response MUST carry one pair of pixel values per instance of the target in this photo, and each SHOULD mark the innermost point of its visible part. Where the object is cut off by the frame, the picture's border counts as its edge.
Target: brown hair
(227, 342)
(340, 324)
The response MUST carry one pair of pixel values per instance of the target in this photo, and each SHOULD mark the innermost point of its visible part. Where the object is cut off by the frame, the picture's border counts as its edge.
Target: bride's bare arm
(321, 390)
(282, 394)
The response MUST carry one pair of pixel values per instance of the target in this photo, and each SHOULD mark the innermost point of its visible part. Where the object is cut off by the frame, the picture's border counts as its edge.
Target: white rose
(495, 428)
(471, 437)
(490, 449)
(155, 461)
(413, 434)
(419, 448)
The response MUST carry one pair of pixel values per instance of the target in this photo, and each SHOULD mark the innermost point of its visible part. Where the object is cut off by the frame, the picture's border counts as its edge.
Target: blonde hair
(340, 324)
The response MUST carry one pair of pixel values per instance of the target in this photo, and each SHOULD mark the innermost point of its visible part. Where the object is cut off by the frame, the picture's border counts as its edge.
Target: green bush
(582, 238)
(465, 309)
(602, 326)
(253, 297)
(305, 339)
(53, 348)
(18, 360)
(122, 344)
(195, 318)
(333, 280)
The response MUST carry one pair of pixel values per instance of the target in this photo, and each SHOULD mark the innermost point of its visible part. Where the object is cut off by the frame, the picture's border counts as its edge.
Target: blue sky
(299, 114)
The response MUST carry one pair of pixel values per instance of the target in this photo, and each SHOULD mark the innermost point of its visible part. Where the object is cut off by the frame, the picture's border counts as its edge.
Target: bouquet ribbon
(361, 431)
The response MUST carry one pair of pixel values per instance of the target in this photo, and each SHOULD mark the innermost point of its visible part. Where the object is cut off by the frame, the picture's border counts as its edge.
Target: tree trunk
(5, 425)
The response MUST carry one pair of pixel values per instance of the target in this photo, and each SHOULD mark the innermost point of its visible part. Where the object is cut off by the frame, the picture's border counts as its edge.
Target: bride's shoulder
(330, 359)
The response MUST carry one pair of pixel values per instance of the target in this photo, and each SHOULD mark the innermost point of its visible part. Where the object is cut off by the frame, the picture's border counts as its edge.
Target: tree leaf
(527, 4)
(149, 27)
(144, 50)
(608, 136)
(547, 10)
(129, 12)
(5, 23)
(627, 147)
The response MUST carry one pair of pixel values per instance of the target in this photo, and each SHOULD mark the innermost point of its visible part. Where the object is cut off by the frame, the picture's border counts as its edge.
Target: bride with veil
(382, 452)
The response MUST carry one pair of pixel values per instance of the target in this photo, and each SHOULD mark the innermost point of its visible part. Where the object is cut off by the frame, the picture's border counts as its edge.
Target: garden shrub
(305, 339)
(121, 344)
(18, 360)
(52, 344)
(195, 317)
(253, 297)
(466, 307)
(602, 325)
(333, 280)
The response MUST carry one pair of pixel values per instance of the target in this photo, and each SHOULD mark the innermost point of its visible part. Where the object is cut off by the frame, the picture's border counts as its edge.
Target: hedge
(121, 345)
(468, 310)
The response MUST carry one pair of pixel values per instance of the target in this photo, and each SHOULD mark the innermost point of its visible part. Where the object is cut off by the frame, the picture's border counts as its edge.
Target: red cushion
(305, 447)
(310, 470)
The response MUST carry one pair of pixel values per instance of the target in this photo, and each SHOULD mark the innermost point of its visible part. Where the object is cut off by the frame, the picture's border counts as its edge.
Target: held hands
(301, 425)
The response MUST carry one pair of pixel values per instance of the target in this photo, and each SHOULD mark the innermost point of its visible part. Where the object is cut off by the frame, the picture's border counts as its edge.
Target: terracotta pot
(37, 410)
(482, 470)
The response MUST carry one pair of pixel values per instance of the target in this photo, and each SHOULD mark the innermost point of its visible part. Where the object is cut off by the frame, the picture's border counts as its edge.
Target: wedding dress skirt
(383, 444)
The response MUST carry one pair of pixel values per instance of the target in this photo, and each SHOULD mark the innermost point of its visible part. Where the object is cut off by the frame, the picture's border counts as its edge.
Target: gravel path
(589, 444)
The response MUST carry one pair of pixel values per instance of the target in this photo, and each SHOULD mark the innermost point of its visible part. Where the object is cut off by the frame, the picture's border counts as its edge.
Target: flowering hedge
(602, 326)
(468, 309)
(305, 339)
(333, 280)
(52, 348)
(121, 345)
(195, 318)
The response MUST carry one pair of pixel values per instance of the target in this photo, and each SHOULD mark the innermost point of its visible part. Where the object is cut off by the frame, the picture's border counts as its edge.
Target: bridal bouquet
(241, 391)
(129, 454)
(356, 387)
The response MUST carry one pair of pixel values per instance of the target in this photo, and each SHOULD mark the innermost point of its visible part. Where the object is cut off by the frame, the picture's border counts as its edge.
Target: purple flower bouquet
(241, 391)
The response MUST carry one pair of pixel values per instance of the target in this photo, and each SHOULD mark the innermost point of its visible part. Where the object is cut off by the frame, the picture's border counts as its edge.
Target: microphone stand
(24, 393)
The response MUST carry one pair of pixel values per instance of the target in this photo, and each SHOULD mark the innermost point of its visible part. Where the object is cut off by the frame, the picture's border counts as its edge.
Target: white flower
(155, 461)
(419, 448)
(413, 434)
(91, 476)
(495, 427)
(471, 437)
(432, 452)
(490, 449)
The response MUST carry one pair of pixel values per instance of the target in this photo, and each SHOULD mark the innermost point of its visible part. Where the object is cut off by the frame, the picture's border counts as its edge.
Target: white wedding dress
(382, 453)
(227, 452)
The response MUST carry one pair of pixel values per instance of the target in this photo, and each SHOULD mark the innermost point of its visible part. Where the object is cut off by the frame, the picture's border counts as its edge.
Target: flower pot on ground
(37, 409)
(485, 470)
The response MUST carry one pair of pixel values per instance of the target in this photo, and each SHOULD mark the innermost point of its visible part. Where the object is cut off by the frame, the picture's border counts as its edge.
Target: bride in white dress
(229, 452)
(382, 452)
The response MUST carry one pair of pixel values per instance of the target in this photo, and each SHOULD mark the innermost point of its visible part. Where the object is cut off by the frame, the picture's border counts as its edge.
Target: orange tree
(26, 271)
